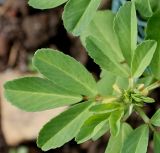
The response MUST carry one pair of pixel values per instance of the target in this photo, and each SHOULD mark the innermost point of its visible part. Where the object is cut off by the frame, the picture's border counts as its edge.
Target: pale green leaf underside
(64, 127)
(125, 26)
(78, 14)
(155, 120)
(153, 32)
(116, 143)
(156, 141)
(89, 127)
(144, 7)
(65, 71)
(142, 57)
(101, 27)
(137, 141)
(46, 4)
(96, 49)
(37, 94)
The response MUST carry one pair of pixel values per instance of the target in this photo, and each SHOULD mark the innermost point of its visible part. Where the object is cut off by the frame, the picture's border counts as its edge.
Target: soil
(22, 31)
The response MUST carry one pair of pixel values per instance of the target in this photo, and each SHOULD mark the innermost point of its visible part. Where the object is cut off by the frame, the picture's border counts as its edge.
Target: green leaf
(115, 121)
(46, 4)
(155, 5)
(122, 82)
(105, 84)
(100, 130)
(37, 94)
(65, 71)
(125, 26)
(78, 14)
(116, 143)
(144, 7)
(101, 27)
(109, 79)
(156, 141)
(101, 55)
(153, 32)
(64, 127)
(148, 99)
(155, 120)
(137, 141)
(142, 57)
(105, 107)
(89, 127)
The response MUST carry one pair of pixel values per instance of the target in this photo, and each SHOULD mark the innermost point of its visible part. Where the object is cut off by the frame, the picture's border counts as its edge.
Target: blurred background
(23, 30)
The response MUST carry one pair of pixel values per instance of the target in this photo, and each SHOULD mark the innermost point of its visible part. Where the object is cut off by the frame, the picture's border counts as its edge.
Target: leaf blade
(142, 57)
(116, 143)
(155, 120)
(137, 141)
(65, 71)
(144, 7)
(45, 4)
(96, 49)
(156, 141)
(67, 123)
(76, 20)
(89, 127)
(125, 24)
(153, 33)
(115, 121)
(37, 94)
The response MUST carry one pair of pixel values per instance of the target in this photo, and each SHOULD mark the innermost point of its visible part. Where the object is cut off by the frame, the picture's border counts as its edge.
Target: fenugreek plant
(130, 72)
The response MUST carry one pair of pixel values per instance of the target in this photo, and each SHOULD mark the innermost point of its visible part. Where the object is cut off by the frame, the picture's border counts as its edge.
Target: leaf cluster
(103, 106)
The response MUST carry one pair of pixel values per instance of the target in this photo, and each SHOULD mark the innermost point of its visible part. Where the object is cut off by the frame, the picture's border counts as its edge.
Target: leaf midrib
(68, 74)
(77, 24)
(143, 131)
(102, 33)
(144, 59)
(66, 125)
(46, 94)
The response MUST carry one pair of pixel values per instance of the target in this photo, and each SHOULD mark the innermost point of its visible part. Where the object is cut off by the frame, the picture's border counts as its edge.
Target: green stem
(145, 118)
(131, 83)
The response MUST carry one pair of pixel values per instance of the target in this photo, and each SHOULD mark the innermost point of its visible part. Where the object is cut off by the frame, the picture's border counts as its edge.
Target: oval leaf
(88, 128)
(101, 27)
(65, 71)
(37, 94)
(137, 141)
(64, 127)
(142, 57)
(116, 143)
(100, 53)
(144, 7)
(46, 4)
(156, 141)
(78, 14)
(155, 120)
(115, 121)
(153, 32)
(100, 130)
(125, 26)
